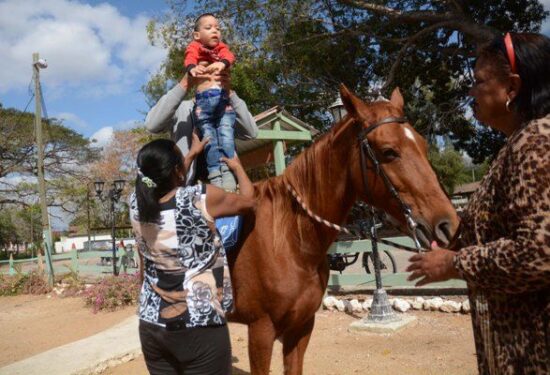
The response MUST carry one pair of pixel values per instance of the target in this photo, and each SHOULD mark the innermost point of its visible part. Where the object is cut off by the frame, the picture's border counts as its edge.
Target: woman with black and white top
(186, 289)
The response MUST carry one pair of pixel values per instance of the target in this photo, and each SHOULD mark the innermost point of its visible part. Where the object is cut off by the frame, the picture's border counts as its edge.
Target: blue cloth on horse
(229, 228)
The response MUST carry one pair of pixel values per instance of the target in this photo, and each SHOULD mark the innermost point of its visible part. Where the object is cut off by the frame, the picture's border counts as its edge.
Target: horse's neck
(325, 186)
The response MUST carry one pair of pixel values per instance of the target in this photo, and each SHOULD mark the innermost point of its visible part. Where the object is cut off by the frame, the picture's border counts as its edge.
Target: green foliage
(449, 167)
(7, 228)
(65, 153)
(20, 225)
(294, 53)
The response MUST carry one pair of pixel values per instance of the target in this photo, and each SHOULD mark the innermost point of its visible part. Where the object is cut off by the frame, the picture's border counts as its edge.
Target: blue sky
(98, 56)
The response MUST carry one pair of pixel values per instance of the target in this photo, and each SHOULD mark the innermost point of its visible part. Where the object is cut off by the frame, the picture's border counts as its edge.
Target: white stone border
(331, 303)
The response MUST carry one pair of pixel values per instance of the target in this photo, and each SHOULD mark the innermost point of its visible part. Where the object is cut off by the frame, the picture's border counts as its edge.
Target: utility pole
(37, 64)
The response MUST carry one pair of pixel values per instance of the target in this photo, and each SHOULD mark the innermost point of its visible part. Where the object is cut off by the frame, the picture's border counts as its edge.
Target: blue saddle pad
(229, 228)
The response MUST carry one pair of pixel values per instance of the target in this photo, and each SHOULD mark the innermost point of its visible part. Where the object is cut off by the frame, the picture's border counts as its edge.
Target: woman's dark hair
(157, 162)
(532, 55)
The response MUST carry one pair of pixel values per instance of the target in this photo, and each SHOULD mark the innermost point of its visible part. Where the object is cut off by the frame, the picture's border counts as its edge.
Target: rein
(366, 151)
(340, 228)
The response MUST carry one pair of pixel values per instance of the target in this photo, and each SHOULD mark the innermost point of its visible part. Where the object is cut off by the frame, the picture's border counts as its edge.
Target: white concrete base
(364, 325)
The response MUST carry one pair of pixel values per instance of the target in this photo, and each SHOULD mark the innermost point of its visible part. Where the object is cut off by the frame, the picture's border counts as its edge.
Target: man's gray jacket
(174, 114)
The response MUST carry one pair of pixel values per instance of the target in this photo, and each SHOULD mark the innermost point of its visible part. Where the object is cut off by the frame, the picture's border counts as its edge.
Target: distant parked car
(98, 245)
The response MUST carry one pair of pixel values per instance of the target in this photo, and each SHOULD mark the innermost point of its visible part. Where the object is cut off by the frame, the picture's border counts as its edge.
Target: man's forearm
(161, 116)
(245, 126)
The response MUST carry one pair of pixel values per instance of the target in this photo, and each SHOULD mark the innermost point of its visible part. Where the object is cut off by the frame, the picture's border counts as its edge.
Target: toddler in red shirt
(215, 118)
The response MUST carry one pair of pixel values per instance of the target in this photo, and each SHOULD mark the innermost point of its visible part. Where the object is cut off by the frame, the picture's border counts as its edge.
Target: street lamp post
(381, 310)
(113, 195)
(337, 109)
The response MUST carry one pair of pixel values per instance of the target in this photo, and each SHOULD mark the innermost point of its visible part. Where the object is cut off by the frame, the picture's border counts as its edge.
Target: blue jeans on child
(216, 120)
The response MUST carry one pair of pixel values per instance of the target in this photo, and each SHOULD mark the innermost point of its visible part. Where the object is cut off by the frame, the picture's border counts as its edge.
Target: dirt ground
(437, 343)
(32, 324)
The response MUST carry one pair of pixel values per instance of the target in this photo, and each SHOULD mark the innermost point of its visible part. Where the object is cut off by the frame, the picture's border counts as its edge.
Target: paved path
(91, 355)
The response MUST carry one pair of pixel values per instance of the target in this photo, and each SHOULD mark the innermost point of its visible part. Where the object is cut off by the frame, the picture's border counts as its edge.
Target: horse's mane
(303, 174)
(306, 166)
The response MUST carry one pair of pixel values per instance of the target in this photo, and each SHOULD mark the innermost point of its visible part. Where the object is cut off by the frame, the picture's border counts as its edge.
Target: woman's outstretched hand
(197, 146)
(234, 163)
(432, 266)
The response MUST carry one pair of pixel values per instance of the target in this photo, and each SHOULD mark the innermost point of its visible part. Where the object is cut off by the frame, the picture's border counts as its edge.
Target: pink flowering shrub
(31, 283)
(113, 292)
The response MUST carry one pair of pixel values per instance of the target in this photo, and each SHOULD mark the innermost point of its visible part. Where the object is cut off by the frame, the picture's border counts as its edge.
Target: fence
(79, 262)
(389, 280)
(74, 261)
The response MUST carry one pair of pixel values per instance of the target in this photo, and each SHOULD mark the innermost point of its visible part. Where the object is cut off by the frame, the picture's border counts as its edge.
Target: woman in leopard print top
(504, 244)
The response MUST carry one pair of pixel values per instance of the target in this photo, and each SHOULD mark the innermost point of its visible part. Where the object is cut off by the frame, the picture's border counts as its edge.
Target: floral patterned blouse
(186, 277)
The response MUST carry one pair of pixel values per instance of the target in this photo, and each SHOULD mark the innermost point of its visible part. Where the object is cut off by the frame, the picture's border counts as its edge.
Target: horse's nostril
(443, 231)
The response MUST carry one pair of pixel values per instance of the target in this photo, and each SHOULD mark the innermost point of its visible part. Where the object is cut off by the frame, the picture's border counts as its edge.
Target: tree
(28, 222)
(117, 160)
(449, 167)
(295, 52)
(65, 154)
(452, 169)
(7, 229)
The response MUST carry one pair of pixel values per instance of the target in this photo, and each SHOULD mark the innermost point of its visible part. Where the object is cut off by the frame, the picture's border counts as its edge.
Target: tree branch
(411, 40)
(456, 5)
(413, 16)
(454, 20)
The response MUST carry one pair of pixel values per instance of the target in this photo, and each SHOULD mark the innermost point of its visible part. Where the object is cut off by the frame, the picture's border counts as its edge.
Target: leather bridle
(367, 151)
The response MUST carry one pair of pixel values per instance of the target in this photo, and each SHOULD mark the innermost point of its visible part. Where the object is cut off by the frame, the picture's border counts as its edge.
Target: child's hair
(198, 20)
(157, 162)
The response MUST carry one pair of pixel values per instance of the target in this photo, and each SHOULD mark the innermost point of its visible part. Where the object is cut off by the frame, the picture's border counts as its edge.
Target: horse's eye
(389, 154)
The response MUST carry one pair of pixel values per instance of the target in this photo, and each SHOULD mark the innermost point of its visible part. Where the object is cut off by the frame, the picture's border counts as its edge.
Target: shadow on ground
(238, 371)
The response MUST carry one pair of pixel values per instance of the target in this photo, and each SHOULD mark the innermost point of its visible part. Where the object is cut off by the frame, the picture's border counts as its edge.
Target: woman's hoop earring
(508, 101)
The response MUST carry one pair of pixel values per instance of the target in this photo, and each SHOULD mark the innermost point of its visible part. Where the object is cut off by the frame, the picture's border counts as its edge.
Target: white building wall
(66, 243)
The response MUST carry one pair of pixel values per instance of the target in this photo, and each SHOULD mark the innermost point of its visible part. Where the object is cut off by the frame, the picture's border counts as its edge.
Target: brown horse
(280, 272)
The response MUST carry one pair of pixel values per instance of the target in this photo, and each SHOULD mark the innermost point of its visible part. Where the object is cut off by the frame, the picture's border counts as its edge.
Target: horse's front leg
(261, 335)
(294, 347)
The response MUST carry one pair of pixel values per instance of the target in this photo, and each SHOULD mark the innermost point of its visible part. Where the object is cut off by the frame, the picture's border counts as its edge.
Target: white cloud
(90, 47)
(72, 120)
(102, 136)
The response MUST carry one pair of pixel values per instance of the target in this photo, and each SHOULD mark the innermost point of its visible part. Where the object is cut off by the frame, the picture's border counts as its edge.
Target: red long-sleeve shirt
(196, 52)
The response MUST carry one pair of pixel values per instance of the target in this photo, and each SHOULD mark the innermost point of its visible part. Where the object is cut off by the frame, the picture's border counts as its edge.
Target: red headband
(510, 52)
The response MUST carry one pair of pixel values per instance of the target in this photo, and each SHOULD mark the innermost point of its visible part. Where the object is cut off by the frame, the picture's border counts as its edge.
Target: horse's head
(402, 154)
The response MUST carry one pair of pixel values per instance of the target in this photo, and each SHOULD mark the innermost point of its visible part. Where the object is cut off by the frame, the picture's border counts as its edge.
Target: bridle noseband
(367, 151)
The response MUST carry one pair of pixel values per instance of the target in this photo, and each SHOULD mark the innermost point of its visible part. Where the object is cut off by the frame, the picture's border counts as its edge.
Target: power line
(30, 100)
(43, 102)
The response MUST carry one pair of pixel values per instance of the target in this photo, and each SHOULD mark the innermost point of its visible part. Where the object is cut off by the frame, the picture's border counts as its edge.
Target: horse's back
(267, 271)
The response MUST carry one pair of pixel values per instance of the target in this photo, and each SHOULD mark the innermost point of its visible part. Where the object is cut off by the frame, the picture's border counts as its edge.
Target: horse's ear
(397, 99)
(354, 106)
